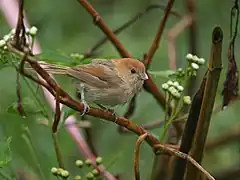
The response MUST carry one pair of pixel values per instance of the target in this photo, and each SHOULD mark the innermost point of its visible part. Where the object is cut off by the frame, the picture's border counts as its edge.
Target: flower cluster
(9, 37)
(90, 175)
(173, 88)
(194, 63)
(64, 174)
(60, 172)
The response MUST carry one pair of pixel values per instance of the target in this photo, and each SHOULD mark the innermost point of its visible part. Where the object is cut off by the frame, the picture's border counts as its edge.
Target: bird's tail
(53, 68)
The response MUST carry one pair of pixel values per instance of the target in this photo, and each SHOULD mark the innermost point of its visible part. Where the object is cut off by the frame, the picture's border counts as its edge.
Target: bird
(105, 82)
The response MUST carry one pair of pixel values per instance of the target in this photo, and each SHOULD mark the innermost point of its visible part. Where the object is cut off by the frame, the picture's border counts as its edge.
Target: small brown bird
(104, 82)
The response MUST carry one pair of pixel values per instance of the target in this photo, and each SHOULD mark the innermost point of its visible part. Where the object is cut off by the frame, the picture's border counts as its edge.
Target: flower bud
(88, 162)
(90, 176)
(13, 31)
(6, 37)
(99, 160)
(201, 61)
(195, 66)
(195, 59)
(170, 83)
(165, 86)
(33, 31)
(187, 100)
(189, 56)
(79, 163)
(95, 172)
(175, 84)
(180, 88)
(78, 178)
(2, 43)
(65, 173)
(54, 171)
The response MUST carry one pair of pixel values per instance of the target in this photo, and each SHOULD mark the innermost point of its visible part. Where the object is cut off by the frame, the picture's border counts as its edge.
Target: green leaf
(6, 156)
(163, 74)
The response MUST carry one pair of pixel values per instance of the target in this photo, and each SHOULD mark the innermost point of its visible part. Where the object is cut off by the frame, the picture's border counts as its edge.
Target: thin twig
(125, 25)
(155, 124)
(57, 117)
(57, 150)
(179, 154)
(19, 97)
(97, 19)
(136, 155)
(214, 70)
(154, 47)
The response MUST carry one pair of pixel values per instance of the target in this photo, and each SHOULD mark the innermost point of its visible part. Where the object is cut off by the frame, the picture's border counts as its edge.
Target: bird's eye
(133, 70)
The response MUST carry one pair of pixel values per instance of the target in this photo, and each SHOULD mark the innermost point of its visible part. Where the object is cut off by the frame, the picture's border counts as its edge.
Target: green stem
(33, 154)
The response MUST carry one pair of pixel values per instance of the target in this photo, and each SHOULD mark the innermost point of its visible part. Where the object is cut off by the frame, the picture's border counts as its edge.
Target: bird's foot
(86, 107)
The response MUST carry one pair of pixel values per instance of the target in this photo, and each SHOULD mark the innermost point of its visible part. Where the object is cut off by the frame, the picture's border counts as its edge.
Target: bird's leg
(86, 106)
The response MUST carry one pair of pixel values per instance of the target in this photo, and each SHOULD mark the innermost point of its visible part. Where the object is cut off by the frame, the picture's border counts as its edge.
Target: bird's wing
(94, 75)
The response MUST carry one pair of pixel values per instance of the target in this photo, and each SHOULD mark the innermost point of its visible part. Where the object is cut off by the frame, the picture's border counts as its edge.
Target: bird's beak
(145, 77)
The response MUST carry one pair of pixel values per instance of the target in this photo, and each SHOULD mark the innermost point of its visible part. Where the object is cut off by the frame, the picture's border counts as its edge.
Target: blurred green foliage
(65, 27)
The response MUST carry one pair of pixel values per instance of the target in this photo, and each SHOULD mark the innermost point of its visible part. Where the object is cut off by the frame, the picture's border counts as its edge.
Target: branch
(214, 70)
(124, 26)
(97, 19)
(154, 47)
(172, 151)
(136, 156)
(155, 124)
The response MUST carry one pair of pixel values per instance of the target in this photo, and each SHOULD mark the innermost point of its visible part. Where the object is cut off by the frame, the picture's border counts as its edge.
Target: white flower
(201, 61)
(13, 31)
(172, 90)
(170, 83)
(2, 43)
(165, 86)
(195, 58)
(195, 66)
(176, 94)
(187, 100)
(180, 88)
(5, 47)
(33, 31)
(176, 84)
(27, 30)
(6, 37)
(189, 56)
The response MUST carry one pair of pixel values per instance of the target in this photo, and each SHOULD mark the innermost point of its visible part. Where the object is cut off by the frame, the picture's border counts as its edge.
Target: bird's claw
(86, 108)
